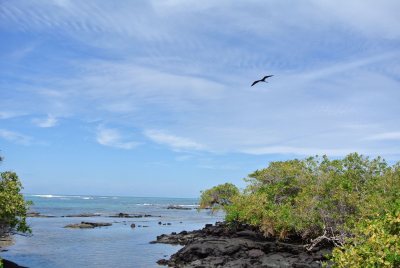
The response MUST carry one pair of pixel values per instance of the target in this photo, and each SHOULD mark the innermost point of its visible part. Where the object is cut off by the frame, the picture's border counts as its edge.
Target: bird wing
(265, 77)
(255, 82)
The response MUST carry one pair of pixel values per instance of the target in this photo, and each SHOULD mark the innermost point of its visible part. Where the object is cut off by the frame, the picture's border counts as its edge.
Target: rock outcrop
(241, 246)
(87, 225)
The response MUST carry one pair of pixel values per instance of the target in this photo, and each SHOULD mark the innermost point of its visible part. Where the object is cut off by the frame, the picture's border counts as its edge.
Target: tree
(218, 197)
(13, 207)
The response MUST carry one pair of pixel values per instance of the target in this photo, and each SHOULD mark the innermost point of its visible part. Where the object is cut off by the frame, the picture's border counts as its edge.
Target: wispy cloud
(175, 142)
(15, 137)
(49, 121)
(179, 72)
(300, 151)
(384, 136)
(113, 138)
(8, 114)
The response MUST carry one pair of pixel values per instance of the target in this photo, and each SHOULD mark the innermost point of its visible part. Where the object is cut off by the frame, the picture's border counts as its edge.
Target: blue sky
(153, 98)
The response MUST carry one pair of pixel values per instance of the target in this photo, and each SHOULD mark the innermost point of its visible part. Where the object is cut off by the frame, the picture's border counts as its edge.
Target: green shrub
(218, 197)
(376, 243)
(352, 203)
(316, 198)
(13, 207)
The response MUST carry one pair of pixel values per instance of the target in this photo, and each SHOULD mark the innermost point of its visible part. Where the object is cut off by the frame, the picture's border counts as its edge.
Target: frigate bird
(261, 80)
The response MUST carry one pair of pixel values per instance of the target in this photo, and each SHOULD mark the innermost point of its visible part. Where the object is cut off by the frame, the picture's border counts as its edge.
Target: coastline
(103, 246)
(6, 242)
(221, 245)
(10, 264)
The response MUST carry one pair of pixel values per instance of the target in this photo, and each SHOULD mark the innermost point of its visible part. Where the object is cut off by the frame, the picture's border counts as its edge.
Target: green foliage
(218, 197)
(352, 203)
(316, 198)
(13, 207)
(376, 243)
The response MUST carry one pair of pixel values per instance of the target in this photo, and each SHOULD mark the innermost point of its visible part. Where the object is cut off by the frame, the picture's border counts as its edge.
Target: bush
(351, 203)
(317, 199)
(218, 197)
(376, 243)
(13, 206)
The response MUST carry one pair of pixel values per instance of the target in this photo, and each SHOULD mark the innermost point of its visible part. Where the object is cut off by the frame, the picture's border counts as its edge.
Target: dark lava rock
(178, 207)
(38, 215)
(133, 225)
(88, 225)
(10, 264)
(162, 262)
(83, 215)
(127, 215)
(221, 245)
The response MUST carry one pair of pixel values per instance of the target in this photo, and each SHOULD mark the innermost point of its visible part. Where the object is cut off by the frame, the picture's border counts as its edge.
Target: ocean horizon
(52, 245)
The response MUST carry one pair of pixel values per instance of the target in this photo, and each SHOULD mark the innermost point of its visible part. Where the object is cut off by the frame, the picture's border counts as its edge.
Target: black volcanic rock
(33, 214)
(178, 207)
(127, 215)
(221, 245)
(87, 225)
(83, 215)
(10, 264)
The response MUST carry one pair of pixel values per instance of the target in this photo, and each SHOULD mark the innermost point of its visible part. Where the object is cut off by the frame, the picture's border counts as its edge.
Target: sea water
(51, 245)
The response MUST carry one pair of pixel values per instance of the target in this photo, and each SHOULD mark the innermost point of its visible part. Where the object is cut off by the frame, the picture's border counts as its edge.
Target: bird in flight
(261, 80)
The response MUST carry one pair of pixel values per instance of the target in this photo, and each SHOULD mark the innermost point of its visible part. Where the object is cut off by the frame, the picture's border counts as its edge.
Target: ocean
(51, 245)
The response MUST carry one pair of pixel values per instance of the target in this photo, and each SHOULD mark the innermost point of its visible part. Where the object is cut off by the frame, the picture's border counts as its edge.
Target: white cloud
(175, 142)
(299, 151)
(375, 18)
(187, 66)
(15, 137)
(384, 136)
(8, 114)
(113, 138)
(49, 121)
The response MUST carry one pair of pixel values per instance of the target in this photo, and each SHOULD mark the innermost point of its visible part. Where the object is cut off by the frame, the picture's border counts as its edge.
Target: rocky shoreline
(221, 245)
(10, 264)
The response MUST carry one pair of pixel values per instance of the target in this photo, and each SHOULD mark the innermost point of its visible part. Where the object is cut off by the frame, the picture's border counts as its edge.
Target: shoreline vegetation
(314, 212)
(349, 208)
(13, 210)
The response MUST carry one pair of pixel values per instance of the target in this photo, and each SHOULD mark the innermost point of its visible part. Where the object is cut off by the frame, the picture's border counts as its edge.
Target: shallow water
(118, 245)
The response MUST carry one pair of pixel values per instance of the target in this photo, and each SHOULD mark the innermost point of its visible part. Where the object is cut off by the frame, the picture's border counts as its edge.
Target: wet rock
(38, 215)
(83, 215)
(133, 225)
(127, 215)
(178, 207)
(10, 264)
(162, 262)
(87, 225)
(221, 245)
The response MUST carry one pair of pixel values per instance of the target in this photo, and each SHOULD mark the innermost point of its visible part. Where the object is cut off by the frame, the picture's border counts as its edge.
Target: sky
(153, 98)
